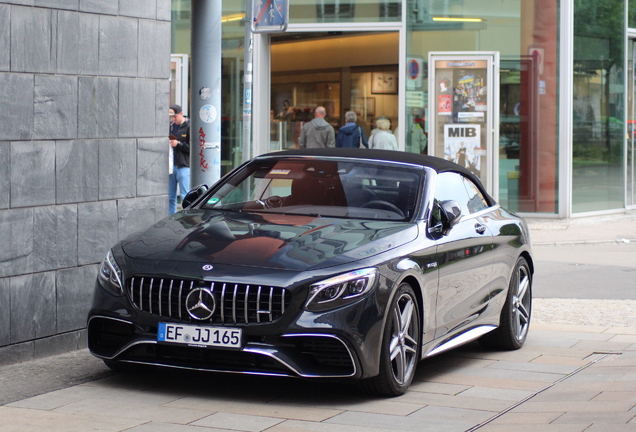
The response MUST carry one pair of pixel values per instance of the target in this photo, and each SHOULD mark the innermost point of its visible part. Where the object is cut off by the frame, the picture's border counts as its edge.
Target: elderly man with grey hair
(317, 133)
(351, 135)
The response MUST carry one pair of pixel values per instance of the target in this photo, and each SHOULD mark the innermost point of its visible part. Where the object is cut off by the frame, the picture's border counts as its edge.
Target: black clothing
(182, 151)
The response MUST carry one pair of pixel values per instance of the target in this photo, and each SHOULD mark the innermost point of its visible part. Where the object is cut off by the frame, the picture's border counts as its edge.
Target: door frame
(181, 84)
(262, 74)
(630, 144)
(491, 180)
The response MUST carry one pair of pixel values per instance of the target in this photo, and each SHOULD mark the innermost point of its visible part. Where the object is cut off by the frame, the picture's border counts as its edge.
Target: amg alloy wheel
(400, 346)
(515, 315)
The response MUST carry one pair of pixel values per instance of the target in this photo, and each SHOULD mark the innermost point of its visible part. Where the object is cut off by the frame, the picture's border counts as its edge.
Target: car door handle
(479, 228)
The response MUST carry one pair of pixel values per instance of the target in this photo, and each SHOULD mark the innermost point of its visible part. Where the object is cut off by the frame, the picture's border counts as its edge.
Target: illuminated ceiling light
(235, 17)
(454, 19)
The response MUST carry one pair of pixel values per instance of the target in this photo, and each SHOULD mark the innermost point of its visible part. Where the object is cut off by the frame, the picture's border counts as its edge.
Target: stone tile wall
(83, 155)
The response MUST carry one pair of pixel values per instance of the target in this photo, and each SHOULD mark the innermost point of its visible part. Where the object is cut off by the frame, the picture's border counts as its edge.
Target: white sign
(462, 144)
(414, 99)
(207, 113)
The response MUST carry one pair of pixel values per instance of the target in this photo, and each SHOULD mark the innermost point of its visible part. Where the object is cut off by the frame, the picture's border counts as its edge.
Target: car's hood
(265, 240)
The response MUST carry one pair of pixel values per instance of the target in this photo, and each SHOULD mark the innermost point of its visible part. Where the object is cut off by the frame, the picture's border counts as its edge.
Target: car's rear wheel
(400, 346)
(514, 321)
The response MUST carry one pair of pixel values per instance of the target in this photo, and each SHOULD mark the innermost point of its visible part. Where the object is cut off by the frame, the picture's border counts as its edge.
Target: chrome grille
(235, 303)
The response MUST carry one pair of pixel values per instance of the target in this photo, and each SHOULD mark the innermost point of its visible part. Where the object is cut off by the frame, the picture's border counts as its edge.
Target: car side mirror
(194, 195)
(451, 213)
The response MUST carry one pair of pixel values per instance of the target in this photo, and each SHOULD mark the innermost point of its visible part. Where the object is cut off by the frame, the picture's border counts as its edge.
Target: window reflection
(340, 11)
(525, 34)
(598, 106)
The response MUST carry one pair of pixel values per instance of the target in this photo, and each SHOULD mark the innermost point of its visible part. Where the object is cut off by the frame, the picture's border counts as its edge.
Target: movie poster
(470, 96)
(445, 105)
(462, 145)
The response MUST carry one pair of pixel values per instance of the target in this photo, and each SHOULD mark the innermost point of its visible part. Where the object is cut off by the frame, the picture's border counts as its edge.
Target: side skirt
(461, 339)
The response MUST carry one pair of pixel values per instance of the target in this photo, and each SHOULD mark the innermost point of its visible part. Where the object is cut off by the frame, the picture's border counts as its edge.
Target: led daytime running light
(342, 282)
(112, 273)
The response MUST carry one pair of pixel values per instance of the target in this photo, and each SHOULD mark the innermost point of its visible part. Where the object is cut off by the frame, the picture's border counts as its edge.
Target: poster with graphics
(445, 105)
(462, 145)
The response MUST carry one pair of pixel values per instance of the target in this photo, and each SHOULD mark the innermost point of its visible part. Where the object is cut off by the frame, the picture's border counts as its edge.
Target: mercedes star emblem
(200, 303)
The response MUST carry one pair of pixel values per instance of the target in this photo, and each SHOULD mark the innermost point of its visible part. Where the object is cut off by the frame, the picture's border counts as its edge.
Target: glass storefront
(630, 163)
(232, 69)
(344, 11)
(525, 35)
(325, 59)
(598, 134)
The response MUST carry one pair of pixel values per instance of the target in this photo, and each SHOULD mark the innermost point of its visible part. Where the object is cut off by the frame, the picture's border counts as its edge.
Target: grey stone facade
(83, 155)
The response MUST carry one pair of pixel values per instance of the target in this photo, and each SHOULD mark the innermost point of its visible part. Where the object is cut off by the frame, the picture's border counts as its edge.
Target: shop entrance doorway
(342, 71)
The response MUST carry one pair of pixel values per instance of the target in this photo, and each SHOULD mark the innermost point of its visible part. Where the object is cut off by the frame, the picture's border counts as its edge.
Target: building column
(205, 93)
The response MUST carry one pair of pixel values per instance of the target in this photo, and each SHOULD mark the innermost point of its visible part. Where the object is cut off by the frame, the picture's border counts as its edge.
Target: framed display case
(364, 106)
(384, 83)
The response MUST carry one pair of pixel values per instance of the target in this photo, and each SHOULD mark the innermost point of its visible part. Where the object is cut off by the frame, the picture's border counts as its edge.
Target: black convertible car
(336, 263)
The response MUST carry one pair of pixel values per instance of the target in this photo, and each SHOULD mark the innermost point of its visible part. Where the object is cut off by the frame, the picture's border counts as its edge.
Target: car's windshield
(330, 188)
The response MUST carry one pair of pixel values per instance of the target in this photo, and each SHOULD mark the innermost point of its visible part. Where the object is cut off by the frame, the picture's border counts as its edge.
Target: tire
(514, 321)
(400, 346)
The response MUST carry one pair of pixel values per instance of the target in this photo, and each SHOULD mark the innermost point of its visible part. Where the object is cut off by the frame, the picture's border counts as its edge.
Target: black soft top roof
(435, 163)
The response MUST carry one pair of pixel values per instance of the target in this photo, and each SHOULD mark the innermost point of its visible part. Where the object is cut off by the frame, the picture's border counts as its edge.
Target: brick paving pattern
(576, 373)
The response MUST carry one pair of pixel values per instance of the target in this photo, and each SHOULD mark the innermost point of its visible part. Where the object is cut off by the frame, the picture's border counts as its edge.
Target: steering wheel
(271, 202)
(383, 205)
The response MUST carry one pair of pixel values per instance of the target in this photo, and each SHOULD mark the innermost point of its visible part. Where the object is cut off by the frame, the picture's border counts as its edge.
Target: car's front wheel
(514, 321)
(400, 346)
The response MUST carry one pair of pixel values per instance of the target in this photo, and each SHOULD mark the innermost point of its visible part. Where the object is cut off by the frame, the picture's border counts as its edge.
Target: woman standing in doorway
(351, 135)
(383, 139)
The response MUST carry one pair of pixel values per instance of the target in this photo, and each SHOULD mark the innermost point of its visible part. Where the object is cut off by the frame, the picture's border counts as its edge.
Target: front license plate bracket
(201, 336)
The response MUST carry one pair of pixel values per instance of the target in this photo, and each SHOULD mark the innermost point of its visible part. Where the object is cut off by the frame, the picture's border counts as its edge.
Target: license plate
(226, 337)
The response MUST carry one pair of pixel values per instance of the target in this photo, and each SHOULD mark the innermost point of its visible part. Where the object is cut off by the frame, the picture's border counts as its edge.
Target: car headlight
(340, 290)
(110, 275)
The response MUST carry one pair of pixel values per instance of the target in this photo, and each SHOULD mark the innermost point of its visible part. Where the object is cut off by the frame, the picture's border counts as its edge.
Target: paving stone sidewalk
(576, 373)
(566, 378)
(599, 229)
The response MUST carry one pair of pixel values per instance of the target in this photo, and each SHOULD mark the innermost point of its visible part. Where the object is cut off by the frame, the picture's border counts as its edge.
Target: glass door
(630, 180)
(179, 81)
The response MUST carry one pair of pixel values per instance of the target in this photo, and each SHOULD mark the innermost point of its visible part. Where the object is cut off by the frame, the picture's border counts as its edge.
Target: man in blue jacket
(351, 135)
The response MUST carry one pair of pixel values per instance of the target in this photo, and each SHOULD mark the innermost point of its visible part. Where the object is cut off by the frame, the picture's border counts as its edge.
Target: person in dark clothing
(351, 135)
(180, 157)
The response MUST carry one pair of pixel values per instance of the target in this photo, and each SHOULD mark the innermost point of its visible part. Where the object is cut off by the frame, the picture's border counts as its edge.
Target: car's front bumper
(333, 344)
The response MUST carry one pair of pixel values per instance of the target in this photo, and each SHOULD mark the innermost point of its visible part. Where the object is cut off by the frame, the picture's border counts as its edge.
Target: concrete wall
(83, 155)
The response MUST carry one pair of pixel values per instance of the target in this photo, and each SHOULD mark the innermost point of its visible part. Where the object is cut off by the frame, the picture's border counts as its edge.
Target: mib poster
(462, 145)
